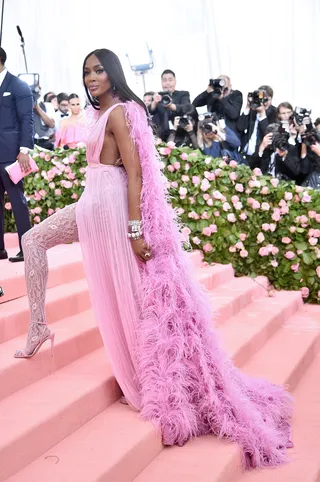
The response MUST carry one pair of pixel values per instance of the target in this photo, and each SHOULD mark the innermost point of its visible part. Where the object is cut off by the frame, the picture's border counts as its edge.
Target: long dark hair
(113, 68)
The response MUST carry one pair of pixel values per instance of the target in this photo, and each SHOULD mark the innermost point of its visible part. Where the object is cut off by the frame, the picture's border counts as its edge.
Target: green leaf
(307, 258)
(301, 245)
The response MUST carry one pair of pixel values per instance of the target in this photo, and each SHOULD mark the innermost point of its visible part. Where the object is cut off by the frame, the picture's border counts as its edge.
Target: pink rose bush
(233, 215)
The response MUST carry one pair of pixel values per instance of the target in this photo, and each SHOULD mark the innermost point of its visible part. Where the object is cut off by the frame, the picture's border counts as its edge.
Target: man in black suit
(253, 122)
(165, 108)
(227, 105)
(16, 139)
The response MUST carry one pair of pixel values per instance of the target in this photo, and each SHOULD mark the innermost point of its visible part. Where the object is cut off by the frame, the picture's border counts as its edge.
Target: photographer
(278, 153)
(43, 121)
(254, 120)
(310, 157)
(184, 130)
(222, 100)
(168, 104)
(216, 139)
(148, 98)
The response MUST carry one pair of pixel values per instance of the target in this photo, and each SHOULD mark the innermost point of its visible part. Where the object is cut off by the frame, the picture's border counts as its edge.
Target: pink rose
(299, 189)
(284, 210)
(290, 255)
(305, 292)
(218, 172)
(177, 165)
(36, 219)
(183, 191)
(316, 233)
(205, 185)
(42, 155)
(37, 210)
(210, 202)
(231, 218)
(296, 198)
(217, 194)
(274, 250)
(171, 144)
(239, 187)
(318, 295)
(243, 216)
(180, 211)
(192, 200)
(274, 263)
(170, 168)
(206, 196)
(233, 164)
(7, 206)
(205, 215)
(75, 196)
(72, 159)
(238, 206)
(318, 218)
(71, 176)
(265, 206)
(274, 182)
(187, 166)
(207, 247)
(226, 207)
(257, 172)
(185, 231)
(251, 183)
(263, 252)
(185, 178)
(272, 227)
(37, 196)
(66, 161)
(286, 240)
(265, 227)
(288, 196)
(165, 151)
(282, 203)
(312, 214)
(47, 157)
(184, 156)
(276, 216)
(76, 182)
(235, 199)
(255, 205)
(244, 253)
(265, 190)
(57, 192)
(174, 184)
(192, 215)
(223, 164)
(260, 237)
(214, 228)
(196, 240)
(211, 176)
(299, 251)
(206, 231)
(239, 245)
(58, 209)
(313, 241)
(306, 198)
(311, 233)
(50, 211)
(196, 180)
(82, 170)
(318, 271)
(208, 161)
(232, 249)
(243, 236)
(81, 145)
(233, 176)
(216, 214)
(295, 267)
(223, 199)
(292, 229)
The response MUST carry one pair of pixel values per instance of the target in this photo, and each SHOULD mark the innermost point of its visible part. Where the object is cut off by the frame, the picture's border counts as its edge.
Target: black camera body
(257, 98)
(218, 86)
(280, 139)
(206, 121)
(184, 121)
(311, 136)
(166, 98)
(301, 113)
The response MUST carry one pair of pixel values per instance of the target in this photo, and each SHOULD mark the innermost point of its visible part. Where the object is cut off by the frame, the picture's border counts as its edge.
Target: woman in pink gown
(73, 128)
(154, 318)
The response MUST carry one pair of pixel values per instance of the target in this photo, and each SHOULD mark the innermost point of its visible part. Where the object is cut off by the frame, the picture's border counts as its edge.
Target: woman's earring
(114, 88)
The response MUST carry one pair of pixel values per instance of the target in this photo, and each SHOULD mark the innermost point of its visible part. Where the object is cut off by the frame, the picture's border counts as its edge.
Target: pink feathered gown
(156, 321)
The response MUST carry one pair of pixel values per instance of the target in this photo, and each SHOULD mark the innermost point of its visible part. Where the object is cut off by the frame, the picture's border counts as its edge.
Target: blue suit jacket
(16, 118)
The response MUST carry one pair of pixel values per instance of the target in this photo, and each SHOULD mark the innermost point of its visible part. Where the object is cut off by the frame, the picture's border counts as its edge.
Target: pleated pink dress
(110, 265)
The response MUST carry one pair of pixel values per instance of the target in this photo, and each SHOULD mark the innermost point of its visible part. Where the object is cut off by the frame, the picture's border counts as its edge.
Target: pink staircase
(60, 416)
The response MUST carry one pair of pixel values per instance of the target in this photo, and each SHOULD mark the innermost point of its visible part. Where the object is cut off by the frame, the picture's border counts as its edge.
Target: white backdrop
(254, 42)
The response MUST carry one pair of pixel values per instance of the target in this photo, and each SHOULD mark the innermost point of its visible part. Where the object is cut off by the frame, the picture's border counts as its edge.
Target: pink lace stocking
(60, 228)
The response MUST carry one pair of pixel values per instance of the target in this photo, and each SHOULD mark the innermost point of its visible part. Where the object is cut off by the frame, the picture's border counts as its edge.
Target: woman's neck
(106, 101)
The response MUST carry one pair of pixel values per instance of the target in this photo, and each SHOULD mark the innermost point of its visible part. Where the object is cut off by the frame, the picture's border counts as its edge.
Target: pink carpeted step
(61, 301)
(208, 459)
(75, 337)
(11, 240)
(65, 265)
(41, 415)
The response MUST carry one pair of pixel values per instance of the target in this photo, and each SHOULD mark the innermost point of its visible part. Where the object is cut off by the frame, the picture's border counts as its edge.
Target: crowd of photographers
(282, 141)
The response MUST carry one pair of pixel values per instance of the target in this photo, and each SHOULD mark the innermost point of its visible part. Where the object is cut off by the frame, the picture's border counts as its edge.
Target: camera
(311, 136)
(218, 86)
(166, 98)
(257, 98)
(206, 121)
(33, 80)
(280, 139)
(300, 113)
(184, 121)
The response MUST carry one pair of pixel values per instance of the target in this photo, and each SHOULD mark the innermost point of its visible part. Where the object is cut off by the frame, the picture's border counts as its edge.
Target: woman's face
(74, 106)
(285, 113)
(95, 77)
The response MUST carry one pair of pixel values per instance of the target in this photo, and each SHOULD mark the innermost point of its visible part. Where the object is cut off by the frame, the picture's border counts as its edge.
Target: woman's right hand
(141, 250)
(267, 141)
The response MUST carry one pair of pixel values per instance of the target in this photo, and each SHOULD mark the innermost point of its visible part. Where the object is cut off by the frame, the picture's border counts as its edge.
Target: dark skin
(118, 144)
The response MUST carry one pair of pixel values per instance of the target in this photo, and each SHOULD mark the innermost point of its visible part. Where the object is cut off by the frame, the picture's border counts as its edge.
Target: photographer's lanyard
(272, 165)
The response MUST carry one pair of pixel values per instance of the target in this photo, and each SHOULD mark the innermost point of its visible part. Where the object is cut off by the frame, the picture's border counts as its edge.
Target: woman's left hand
(141, 250)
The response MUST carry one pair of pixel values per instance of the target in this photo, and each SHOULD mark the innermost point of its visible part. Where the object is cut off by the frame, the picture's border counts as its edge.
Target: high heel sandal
(36, 338)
